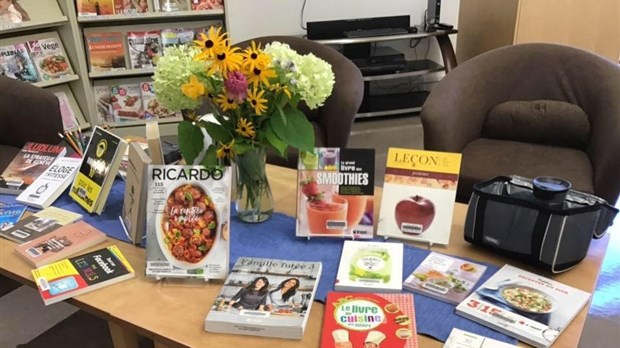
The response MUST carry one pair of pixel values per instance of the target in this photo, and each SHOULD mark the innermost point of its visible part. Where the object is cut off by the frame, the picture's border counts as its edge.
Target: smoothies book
(27, 165)
(187, 222)
(100, 164)
(418, 195)
(335, 193)
(524, 305)
(444, 277)
(81, 274)
(265, 297)
(370, 266)
(369, 320)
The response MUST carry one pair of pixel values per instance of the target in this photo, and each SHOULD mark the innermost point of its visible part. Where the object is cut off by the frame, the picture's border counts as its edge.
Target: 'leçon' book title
(418, 195)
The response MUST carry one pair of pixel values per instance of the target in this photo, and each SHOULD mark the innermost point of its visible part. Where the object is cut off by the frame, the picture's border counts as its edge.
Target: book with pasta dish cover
(187, 221)
(265, 297)
(524, 305)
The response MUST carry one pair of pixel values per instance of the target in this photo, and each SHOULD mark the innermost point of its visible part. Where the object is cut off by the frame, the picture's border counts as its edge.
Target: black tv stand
(439, 26)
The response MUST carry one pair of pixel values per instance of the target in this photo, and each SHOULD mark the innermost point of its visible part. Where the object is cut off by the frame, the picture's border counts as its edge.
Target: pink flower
(236, 86)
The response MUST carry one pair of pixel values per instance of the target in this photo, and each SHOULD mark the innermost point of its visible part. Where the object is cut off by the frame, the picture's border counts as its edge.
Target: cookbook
(95, 8)
(49, 58)
(126, 102)
(153, 108)
(524, 305)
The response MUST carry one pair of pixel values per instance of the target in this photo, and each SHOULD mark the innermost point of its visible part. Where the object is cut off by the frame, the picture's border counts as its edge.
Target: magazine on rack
(187, 222)
(265, 297)
(335, 193)
(524, 305)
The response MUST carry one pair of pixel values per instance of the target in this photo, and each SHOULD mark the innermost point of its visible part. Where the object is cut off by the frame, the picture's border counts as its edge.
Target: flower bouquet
(254, 94)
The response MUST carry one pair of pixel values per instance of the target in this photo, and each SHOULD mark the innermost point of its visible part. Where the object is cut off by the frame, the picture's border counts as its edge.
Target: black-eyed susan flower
(245, 128)
(226, 102)
(253, 57)
(256, 76)
(194, 88)
(210, 42)
(226, 150)
(256, 100)
(226, 59)
(278, 88)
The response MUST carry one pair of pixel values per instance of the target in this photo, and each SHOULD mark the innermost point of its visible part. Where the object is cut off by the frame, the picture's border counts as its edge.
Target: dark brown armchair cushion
(548, 122)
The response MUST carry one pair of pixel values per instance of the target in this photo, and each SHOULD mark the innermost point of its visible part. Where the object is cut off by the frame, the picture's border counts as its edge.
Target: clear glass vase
(254, 201)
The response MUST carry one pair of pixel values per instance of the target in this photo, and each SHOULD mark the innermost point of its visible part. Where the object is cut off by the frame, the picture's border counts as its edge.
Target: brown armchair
(27, 113)
(333, 121)
(530, 110)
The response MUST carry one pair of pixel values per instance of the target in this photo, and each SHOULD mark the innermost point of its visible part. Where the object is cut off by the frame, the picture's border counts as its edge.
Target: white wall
(246, 19)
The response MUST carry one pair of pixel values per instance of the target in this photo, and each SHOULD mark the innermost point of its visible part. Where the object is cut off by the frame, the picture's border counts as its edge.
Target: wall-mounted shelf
(121, 73)
(150, 16)
(32, 25)
(58, 81)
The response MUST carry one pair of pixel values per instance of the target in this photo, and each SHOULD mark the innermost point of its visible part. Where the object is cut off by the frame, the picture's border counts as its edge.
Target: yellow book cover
(99, 166)
(418, 195)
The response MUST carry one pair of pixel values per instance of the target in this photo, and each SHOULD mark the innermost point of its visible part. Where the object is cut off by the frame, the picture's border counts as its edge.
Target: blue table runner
(276, 239)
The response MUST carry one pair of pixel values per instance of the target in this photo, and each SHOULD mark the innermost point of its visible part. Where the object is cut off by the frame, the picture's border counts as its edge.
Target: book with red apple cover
(27, 165)
(418, 195)
(524, 305)
(363, 319)
(445, 278)
(335, 193)
(59, 244)
(81, 274)
(370, 266)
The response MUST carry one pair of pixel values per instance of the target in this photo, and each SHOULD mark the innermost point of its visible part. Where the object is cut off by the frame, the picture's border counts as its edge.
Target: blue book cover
(10, 214)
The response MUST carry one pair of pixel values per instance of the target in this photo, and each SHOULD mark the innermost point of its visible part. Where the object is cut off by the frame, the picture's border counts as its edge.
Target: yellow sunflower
(245, 128)
(281, 88)
(226, 59)
(225, 102)
(226, 150)
(256, 76)
(253, 57)
(255, 98)
(194, 88)
(210, 42)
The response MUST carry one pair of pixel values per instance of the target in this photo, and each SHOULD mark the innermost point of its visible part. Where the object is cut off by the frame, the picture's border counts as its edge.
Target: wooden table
(172, 313)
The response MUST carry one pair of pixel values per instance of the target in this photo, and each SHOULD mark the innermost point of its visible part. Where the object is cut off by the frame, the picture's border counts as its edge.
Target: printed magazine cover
(10, 214)
(418, 195)
(80, 274)
(130, 7)
(170, 5)
(69, 121)
(445, 278)
(103, 99)
(176, 37)
(126, 102)
(95, 7)
(106, 51)
(28, 164)
(152, 107)
(49, 58)
(369, 320)
(143, 47)
(16, 63)
(202, 5)
(265, 297)
(188, 217)
(524, 305)
(370, 266)
(335, 193)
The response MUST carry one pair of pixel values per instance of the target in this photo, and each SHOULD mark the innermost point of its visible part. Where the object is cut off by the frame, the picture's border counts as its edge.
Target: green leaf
(275, 141)
(190, 141)
(218, 133)
(296, 130)
(241, 148)
(210, 159)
